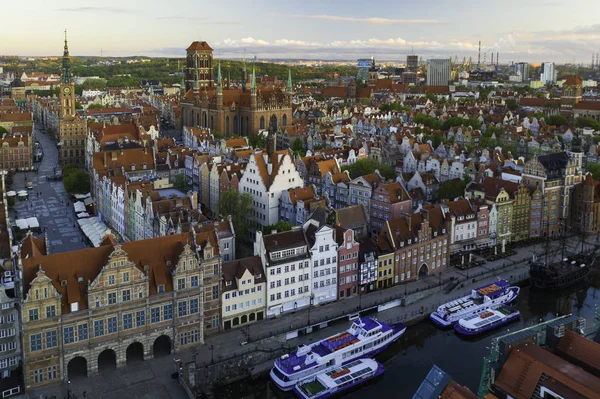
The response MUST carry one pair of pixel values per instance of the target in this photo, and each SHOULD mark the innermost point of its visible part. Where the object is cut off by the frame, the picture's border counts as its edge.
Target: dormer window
(228, 283)
(132, 166)
(144, 165)
(161, 288)
(258, 276)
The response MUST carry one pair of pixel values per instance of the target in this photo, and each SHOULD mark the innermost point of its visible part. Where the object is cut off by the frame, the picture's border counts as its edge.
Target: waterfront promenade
(152, 378)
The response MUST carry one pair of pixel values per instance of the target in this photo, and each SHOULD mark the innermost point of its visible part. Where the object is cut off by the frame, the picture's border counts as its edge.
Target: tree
(557, 120)
(94, 84)
(180, 183)
(279, 227)
(511, 104)
(451, 189)
(594, 169)
(3, 130)
(238, 206)
(488, 142)
(298, 147)
(366, 166)
(77, 182)
(458, 121)
(257, 141)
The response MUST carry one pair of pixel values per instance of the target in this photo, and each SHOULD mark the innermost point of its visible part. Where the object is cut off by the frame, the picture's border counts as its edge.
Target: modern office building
(438, 72)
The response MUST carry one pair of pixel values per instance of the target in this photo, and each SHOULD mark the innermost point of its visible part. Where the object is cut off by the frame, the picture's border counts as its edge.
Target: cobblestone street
(49, 202)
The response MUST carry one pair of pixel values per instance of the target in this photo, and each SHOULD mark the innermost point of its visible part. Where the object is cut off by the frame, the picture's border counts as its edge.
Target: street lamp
(310, 304)
(69, 389)
(212, 353)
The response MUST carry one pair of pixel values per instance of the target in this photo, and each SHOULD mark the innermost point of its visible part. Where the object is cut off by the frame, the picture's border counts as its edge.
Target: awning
(79, 207)
(82, 196)
(11, 193)
(33, 223)
(83, 215)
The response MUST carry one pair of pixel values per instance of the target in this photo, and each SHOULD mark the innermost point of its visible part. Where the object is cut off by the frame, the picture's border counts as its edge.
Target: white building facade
(323, 255)
(287, 265)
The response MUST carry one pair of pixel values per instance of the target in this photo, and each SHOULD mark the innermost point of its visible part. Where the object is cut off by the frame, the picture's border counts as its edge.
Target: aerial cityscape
(332, 202)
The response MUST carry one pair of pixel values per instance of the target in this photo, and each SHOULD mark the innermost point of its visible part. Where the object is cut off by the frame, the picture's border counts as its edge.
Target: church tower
(199, 62)
(67, 87)
(72, 128)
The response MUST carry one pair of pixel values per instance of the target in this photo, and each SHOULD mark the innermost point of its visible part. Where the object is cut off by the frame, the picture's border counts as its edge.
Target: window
(126, 277)
(50, 311)
(111, 279)
(215, 292)
(112, 325)
(68, 335)
(193, 305)
(127, 321)
(35, 342)
(181, 284)
(112, 298)
(51, 339)
(182, 308)
(126, 295)
(161, 288)
(154, 315)
(82, 332)
(38, 376)
(194, 281)
(140, 318)
(33, 314)
(98, 328)
(52, 372)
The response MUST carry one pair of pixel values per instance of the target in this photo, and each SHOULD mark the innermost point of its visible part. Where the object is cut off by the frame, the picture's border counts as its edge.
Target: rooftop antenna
(498, 59)
(479, 56)
(492, 58)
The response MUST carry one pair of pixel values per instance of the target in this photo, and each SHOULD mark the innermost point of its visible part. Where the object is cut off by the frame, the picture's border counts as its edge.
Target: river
(408, 361)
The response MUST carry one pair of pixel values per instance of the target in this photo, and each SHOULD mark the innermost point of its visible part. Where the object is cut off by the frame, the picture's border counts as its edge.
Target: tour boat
(338, 380)
(481, 300)
(479, 323)
(365, 338)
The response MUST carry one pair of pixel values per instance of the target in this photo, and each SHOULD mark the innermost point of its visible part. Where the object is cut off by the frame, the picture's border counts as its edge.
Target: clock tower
(73, 129)
(67, 87)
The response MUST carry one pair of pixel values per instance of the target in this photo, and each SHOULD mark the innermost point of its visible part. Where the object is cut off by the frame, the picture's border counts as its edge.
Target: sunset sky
(521, 30)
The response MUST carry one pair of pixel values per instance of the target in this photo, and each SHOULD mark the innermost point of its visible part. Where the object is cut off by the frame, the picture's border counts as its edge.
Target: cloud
(198, 19)
(368, 20)
(94, 9)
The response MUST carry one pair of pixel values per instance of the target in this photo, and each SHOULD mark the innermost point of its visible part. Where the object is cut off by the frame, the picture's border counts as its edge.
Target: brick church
(210, 103)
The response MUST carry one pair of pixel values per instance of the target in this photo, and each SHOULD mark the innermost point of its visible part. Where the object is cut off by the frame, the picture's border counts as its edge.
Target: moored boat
(480, 323)
(365, 338)
(339, 380)
(481, 300)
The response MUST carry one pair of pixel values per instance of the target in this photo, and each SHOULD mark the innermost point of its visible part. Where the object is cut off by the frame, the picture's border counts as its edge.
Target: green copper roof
(66, 76)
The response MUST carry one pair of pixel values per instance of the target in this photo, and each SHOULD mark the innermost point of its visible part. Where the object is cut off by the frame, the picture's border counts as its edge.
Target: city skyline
(530, 31)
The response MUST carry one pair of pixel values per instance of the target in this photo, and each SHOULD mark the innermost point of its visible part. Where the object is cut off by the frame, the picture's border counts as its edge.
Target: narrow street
(48, 201)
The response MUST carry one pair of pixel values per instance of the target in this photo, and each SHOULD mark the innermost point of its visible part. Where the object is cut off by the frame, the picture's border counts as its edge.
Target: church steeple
(66, 64)
(289, 82)
(253, 83)
(219, 79)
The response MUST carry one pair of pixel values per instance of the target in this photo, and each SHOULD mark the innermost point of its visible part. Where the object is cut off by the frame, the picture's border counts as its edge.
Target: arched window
(273, 122)
(227, 125)
(284, 120)
(247, 127)
(212, 122)
(262, 122)
(235, 125)
(205, 119)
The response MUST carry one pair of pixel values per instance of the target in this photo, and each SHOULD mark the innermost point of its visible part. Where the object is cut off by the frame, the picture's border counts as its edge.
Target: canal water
(408, 360)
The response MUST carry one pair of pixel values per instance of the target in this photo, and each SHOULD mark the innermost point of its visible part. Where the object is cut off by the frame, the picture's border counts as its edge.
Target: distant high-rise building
(362, 74)
(438, 72)
(548, 73)
(412, 63)
(523, 68)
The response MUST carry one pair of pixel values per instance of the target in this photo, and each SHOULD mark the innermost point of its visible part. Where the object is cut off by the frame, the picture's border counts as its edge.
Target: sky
(520, 30)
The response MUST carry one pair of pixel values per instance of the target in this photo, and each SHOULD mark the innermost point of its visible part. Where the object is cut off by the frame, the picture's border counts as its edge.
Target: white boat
(365, 338)
(481, 300)
(340, 379)
(480, 323)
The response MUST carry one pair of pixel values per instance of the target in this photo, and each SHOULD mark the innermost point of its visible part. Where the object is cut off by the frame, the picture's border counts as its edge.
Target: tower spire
(66, 63)
(253, 83)
(219, 79)
(289, 82)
